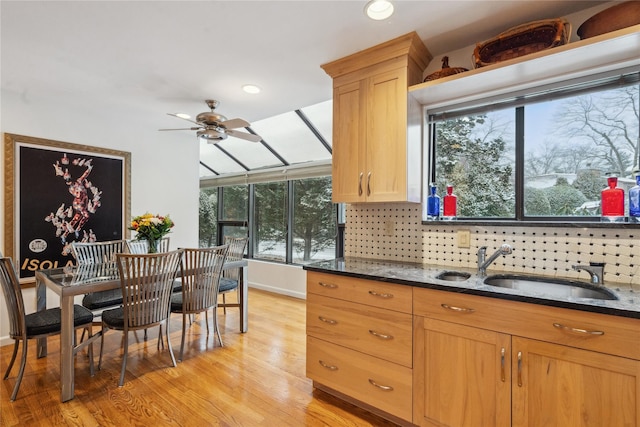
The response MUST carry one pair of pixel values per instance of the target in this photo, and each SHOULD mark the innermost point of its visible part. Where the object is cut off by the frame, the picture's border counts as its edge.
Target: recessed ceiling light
(251, 89)
(183, 115)
(379, 10)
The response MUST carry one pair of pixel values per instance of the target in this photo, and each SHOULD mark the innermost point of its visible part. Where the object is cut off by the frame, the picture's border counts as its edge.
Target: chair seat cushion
(49, 321)
(227, 284)
(114, 318)
(176, 302)
(177, 285)
(102, 299)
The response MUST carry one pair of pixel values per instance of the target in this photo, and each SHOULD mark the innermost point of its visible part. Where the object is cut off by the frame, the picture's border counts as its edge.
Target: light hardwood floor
(256, 379)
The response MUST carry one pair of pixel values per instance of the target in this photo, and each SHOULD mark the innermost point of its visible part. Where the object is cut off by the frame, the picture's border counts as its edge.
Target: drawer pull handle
(519, 369)
(379, 335)
(576, 330)
(502, 368)
(329, 367)
(328, 285)
(458, 309)
(329, 321)
(381, 295)
(380, 386)
(360, 184)
(369, 184)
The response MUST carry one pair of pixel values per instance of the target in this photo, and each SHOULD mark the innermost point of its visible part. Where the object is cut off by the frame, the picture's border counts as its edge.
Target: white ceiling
(143, 59)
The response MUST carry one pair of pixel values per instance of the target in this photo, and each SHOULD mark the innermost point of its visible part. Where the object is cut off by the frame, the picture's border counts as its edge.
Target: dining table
(70, 281)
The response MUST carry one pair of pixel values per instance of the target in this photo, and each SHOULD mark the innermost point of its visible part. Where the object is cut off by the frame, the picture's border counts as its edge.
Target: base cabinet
(462, 375)
(466, 375)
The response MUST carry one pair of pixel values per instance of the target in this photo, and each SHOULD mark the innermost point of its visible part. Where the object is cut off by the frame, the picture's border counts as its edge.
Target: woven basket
(620, 16)
(522, 40)
(445, 71)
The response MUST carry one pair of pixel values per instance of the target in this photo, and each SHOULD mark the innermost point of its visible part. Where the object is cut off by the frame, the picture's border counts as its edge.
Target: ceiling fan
(214, 127)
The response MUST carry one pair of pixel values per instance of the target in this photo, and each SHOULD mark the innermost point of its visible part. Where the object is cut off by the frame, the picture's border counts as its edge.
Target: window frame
(518, 103)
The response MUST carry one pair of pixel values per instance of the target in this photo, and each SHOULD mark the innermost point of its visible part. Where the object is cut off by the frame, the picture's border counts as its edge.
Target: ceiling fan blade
(194, 128)
(234, 124)
(244, 135)
(182, 118)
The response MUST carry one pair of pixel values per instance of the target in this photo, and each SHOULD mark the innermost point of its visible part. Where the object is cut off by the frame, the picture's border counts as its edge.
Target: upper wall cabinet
(376, 125)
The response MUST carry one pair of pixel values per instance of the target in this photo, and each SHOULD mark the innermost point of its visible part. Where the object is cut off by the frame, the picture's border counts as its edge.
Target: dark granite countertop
(424, 276)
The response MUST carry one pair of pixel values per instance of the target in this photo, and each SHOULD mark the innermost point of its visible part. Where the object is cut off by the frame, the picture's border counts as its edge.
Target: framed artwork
(58, 192)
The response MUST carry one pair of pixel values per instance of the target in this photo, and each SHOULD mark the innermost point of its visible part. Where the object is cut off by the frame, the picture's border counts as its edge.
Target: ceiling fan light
(252, 89)
(183, 115)
(379, 10)
(211, 135)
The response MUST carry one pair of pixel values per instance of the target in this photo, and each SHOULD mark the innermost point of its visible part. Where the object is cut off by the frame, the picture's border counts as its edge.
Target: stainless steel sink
(453, 276)
(550, 287)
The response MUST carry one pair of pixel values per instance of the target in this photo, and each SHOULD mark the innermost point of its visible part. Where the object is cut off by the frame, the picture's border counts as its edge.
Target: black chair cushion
(102, 299)
(48, 321)
(114, 318)
(176, 303)
(227, 284)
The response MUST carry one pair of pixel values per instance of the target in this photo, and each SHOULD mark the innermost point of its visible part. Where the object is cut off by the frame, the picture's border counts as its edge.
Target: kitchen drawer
(592, 331)
(371, 292)
(381, 384)
(385, 334)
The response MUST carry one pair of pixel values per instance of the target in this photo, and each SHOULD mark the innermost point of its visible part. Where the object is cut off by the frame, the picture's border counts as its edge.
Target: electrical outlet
(464, 238)
(389, 227)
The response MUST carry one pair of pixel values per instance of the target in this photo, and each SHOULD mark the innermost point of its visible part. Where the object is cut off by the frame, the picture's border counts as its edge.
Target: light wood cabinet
(376, 125)
(483, 361)
(360, 342)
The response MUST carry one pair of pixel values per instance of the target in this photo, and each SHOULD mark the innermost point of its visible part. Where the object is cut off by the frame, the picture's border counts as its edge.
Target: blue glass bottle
(634, 201)
(433, 204)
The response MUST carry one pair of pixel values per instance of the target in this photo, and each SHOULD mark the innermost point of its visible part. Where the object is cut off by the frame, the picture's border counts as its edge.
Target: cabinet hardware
(576, 330)
(369, 184)
(379, 335)
(380, 386)
(329, 321)
(360, 184)
(519, 369)
(329, 367)
(328, 285)
(502, 370)
(458, 309)
(381, 295)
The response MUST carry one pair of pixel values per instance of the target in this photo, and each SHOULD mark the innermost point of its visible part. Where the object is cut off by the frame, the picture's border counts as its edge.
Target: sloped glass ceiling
(287, 139)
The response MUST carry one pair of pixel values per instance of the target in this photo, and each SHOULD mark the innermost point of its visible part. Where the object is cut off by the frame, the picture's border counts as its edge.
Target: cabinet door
(556, 385)
(386, 174)
(462, 375)
(348, 164)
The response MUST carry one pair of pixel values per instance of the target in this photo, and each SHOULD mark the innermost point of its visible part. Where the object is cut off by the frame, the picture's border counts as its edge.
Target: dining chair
(88, 253)
(40, 324)
(142, 246)
(231, 277)
(201, 271)
(146, 282)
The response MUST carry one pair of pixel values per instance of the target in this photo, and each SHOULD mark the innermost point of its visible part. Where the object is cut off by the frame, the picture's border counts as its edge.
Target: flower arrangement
(151, 228)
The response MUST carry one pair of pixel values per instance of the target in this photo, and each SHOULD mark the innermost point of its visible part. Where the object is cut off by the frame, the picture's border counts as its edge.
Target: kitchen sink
(453, 276)
(550, 287)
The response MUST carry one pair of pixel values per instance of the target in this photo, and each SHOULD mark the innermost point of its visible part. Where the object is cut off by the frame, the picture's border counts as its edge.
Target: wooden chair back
(96, 252)
(142, 246)
(201, 271)
(13, 299)
(237, 247)
(147, 283)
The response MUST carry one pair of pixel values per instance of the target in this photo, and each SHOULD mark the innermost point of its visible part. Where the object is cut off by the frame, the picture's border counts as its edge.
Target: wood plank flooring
(256, 379)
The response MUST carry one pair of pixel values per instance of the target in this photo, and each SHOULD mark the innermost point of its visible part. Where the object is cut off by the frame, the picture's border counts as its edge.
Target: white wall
(278, 278)
(164, 165)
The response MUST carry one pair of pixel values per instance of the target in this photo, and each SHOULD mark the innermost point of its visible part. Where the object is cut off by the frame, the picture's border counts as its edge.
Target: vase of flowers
(151, 228)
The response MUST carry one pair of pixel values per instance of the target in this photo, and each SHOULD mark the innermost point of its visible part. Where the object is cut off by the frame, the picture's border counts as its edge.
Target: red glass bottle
(450, 204)
(612, 202)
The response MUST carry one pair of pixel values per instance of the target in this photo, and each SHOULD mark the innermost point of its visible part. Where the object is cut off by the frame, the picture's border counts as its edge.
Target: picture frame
(58, 192)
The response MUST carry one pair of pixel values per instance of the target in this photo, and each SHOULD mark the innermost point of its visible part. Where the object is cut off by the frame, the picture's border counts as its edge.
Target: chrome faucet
(483, 263)
(595, 269)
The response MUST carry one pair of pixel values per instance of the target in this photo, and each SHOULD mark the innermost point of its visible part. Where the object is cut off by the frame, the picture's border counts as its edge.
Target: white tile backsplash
(537, 250)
